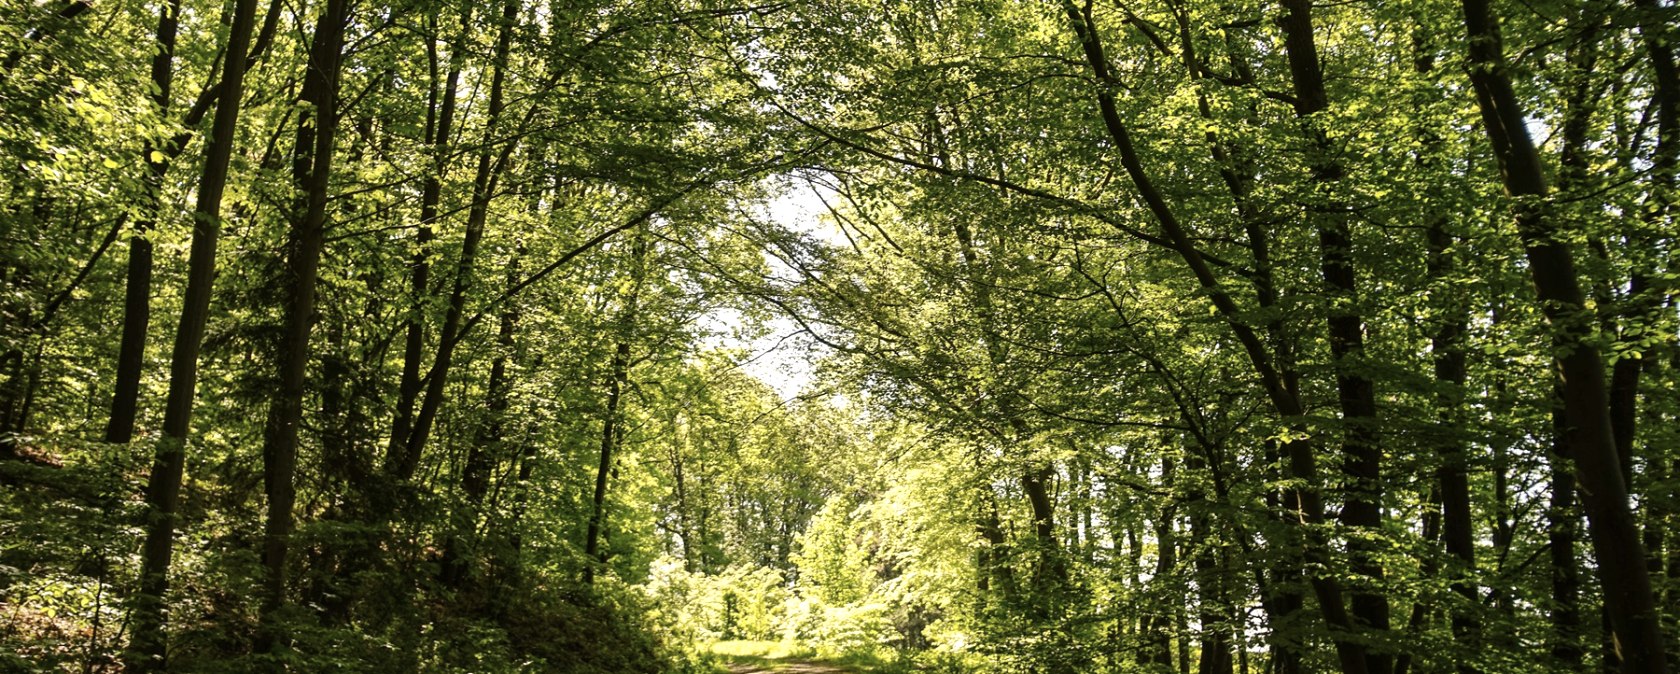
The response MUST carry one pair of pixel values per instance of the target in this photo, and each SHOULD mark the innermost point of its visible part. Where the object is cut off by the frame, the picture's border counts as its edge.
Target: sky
(783, 359)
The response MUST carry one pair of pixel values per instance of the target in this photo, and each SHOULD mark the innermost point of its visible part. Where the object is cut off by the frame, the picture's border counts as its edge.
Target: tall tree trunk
(1050, 576)
(137, 311)
(1362, 457)
(617, 375)
(147, 646)
(994, 563)
(1304, 504)
(485, 180)
(1213, 605)
(486, 449)
(1159, 625)
(1616, 539)
(1456, 519)
(1428, 567)
(1565, 610)
(312, 166)
(137, 288)
(1657, 32)
(440, 125)
(685, 528)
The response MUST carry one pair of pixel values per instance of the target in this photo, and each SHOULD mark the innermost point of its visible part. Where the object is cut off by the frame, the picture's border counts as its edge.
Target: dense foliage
(420, 335)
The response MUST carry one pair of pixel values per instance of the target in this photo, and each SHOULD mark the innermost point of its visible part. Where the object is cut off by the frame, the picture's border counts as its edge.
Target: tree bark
(1355, 392)
(312, 166)
(1303, 501)
(440, 124)
(1213, 604)
(1616, 538)
(485, 180)
(486, 450)
(148, 643)
(1564, 641)
(131, 354)
(617, 376)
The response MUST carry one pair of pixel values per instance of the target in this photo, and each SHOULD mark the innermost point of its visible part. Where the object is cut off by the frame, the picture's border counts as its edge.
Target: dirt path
(785, 667)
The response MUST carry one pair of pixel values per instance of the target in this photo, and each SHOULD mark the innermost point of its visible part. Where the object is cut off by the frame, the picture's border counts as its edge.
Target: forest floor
(767, 666)
(769, 657)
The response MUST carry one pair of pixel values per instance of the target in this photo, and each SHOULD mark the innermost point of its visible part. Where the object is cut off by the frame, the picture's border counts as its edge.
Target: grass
(762, 650)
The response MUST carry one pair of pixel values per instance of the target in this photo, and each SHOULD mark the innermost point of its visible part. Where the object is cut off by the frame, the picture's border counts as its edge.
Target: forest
(840, 336)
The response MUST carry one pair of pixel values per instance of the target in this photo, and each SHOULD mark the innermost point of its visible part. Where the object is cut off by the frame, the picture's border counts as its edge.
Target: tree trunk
(147, 646)
(312, 166)
(1050, 576)
(486, 449)
(1160, 624)
(1304, 504)
(1565, 611)
(440, 124)
(1457, 519)
(1362, 457)
(137, 312)
(1213, 605)
(485, 180)
(994, 563)
(617, 376)
(1616, 541)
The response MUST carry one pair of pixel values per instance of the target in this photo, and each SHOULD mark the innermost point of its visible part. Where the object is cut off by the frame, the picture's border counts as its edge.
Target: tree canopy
(1131, 336)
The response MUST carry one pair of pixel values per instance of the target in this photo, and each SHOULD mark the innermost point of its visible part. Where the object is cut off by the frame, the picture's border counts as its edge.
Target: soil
(785, 667)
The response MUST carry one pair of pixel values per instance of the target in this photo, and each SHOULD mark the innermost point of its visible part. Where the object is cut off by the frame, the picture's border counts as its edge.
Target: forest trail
(786, 667)
(767, 657)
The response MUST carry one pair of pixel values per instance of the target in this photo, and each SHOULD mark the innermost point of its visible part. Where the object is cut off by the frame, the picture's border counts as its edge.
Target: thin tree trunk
(617, 376)
(486, 449)
(1616, 539)
(1427, 568)
(147, 646)
(131, 355)
(137, 289)
(1656, 31)
(1456, 519)
(485, 180)
(1566, 645)
(1160, 622)
(1050, 577)
(1304, 502)
(440, 120)
(994, 562)
(685, 530)
(1362, 457)
(1213, 606)
(312, 167)
(1565, 610)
